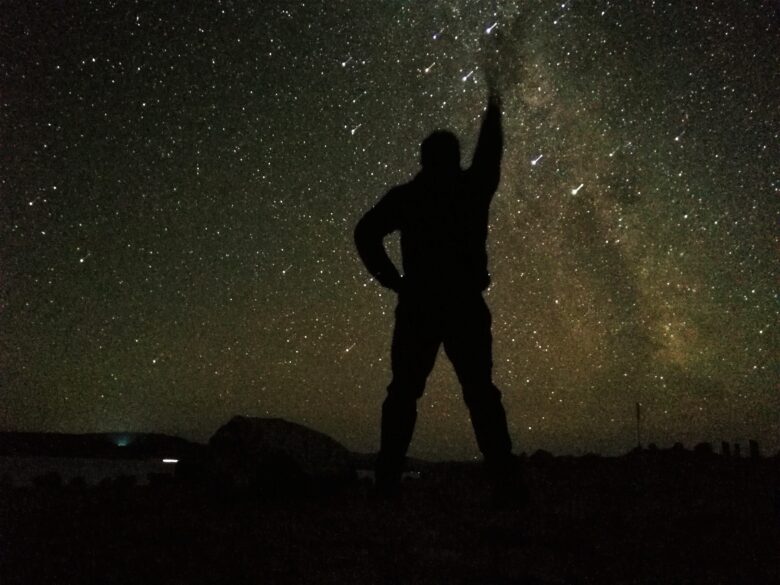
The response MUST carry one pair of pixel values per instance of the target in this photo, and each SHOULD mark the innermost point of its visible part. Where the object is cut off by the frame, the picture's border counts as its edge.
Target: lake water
(22, 470)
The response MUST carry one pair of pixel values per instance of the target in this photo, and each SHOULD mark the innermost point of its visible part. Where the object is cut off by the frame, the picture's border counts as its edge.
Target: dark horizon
(716, 445)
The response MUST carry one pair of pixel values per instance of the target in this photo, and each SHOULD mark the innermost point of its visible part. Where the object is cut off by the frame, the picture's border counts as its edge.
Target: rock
(261, 452)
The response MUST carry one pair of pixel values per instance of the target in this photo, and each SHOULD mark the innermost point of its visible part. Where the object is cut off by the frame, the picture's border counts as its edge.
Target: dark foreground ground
(590, 521)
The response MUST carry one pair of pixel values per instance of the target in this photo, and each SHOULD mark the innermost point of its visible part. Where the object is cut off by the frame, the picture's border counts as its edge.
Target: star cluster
(179, 185)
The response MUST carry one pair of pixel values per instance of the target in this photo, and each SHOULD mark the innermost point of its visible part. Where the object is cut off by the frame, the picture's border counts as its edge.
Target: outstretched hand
(491, 78)
(491, 64)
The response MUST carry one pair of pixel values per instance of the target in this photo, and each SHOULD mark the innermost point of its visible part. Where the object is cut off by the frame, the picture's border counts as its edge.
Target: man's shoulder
(410, 192)
(403, 190)
(399, 195)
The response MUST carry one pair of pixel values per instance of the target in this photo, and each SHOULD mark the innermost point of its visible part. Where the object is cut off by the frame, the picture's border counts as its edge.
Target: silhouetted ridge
(268, 457)
(120, 445)
(269, 439)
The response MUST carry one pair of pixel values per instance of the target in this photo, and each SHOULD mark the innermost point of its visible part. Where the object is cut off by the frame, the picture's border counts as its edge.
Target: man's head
(440, 152)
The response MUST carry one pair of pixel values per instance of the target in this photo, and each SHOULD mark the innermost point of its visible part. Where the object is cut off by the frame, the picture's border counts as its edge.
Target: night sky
(179, 184)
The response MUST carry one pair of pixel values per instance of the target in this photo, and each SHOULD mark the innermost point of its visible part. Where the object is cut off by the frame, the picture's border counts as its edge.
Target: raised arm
(381, 220)
(486, 164)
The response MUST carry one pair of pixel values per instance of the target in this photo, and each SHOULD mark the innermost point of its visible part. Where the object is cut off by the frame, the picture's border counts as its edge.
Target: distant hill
(245, 445)
(96, 445)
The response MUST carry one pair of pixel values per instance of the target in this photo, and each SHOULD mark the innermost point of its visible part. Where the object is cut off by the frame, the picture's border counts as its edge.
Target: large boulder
(250, 452)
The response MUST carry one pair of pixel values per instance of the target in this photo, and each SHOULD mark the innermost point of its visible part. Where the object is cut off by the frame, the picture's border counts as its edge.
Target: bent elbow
(359, 234)
(364, 237)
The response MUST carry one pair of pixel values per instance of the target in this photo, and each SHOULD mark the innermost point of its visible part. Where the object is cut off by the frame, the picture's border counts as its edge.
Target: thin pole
(638, 425)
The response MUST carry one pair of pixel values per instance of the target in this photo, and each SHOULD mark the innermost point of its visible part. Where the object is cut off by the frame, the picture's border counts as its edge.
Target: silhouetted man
(442, 215)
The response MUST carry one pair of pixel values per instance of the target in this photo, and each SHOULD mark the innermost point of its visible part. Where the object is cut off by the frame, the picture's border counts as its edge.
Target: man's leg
(468, 343)
(415, 344)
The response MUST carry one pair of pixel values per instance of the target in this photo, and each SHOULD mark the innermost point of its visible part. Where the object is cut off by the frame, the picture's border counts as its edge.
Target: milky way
(180, 184)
